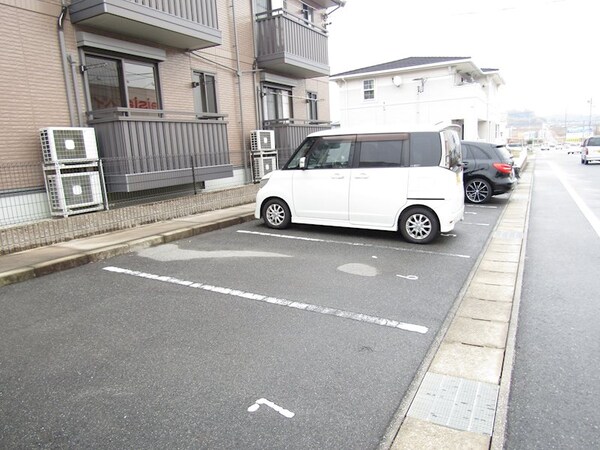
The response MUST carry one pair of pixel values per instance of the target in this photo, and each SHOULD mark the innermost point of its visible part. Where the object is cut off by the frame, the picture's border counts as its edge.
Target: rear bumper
(504, 185)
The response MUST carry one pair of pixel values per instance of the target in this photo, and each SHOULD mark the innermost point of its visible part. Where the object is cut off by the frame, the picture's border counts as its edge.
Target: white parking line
(585, 210)
(475, 223)
(353, 244)
(482, 206)
(275, 301)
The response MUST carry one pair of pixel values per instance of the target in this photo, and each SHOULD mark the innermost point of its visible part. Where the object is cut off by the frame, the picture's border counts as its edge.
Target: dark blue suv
(488, 170)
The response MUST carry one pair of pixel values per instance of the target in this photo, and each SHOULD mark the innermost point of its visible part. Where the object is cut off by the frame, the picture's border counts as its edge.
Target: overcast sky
(547, 51)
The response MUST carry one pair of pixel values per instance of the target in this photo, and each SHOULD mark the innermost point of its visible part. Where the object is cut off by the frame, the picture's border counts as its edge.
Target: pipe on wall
(247, 175)
(65, 63)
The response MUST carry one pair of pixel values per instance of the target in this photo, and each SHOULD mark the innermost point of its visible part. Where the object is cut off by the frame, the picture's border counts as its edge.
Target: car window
(466, 151)
(301, 152)
(594, 142)
(382, 150)
(504, 153)
(330, 153)
(425, 149)
(480, 152)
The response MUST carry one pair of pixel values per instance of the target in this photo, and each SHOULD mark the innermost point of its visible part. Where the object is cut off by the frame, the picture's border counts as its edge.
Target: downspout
(65, 63)
(75, 90)
(239, 76)
(254, 67)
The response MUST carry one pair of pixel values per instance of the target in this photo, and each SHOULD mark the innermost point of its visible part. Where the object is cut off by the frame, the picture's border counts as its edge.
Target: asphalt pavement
(466, 372)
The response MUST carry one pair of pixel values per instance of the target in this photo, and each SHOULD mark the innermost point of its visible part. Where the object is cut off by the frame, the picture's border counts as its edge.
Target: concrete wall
(441, 99)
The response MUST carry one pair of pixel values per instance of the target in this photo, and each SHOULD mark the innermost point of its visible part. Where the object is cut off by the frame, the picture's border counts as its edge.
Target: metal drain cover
(456, 403)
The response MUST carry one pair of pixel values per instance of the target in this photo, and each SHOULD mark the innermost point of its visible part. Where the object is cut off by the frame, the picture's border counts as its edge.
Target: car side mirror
(302, 163)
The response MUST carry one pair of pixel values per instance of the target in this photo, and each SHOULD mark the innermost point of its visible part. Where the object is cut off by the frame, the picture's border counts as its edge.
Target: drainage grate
(456, 403)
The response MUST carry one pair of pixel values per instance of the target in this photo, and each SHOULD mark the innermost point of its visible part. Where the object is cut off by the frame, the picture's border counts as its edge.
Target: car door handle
(337, 176)
(361, 176)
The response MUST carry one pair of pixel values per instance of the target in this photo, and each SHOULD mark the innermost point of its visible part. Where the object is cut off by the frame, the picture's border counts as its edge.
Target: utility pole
(590, 118)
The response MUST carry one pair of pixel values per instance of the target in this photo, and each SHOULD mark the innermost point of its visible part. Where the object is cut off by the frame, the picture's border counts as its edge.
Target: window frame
(267, 90)
(308, 14)
(312, 105)
(122, 60)
(371, 89)
(203, 92)
(387, 137)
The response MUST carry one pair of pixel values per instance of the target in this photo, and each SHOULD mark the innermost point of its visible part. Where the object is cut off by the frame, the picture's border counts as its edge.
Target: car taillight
(503, 167)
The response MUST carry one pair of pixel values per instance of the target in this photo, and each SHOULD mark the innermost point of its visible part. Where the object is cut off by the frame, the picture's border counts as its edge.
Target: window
(277, 104)
(117, 82)
(307, 14)
(263, 6)
(479, 153)
(369, 89)
(205, 95)
(382, 151)
(330, 153)
(311, 100)
(425, 149)
(324, 153)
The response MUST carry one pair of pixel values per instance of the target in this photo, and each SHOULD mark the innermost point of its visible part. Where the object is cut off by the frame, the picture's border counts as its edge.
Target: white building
(425, 90)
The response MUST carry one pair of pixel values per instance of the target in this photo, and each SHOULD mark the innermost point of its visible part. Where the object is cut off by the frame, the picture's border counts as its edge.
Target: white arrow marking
(263, 401)
(409, 277)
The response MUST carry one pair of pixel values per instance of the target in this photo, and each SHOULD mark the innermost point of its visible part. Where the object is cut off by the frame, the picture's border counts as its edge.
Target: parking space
(241, 338)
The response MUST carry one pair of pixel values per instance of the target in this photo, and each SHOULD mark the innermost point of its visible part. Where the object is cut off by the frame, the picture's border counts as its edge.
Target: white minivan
(409, 179)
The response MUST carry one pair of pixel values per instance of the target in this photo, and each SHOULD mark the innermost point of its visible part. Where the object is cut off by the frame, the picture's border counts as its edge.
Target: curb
(99, 254)
(408, 430)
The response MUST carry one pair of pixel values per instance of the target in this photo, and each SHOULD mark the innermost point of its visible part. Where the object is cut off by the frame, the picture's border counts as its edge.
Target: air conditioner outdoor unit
(262, 165)
(67, 144)
(261, 140)
(69, 193)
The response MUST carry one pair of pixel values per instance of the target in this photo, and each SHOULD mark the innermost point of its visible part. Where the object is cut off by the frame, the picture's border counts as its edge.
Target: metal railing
(25, 205)
(148, 148)
(289, 134)
(280, 32)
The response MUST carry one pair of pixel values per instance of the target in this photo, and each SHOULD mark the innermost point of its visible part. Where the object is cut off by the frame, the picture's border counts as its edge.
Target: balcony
(289, 134)
(290, 46)
(183, 24)
(146, 149)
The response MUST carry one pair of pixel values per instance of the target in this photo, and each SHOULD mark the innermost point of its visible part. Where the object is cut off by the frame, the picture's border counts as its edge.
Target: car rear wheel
(419, 225)
(276, 214)
(478, 190)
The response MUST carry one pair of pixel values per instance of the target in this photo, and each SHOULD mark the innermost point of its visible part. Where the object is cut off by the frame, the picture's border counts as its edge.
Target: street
(556, 385)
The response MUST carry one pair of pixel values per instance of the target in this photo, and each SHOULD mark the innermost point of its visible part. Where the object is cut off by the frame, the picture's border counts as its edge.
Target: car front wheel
(478, 190)
(276, 214)
(419, 226)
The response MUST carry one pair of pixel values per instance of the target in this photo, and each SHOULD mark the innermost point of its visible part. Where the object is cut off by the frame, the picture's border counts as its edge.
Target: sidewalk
(459, 397)
(21, 266)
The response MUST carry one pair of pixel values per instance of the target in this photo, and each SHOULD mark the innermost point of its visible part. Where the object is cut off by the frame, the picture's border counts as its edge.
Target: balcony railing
(289, 134)
(186, 24)
(155, 148)
(289, 45)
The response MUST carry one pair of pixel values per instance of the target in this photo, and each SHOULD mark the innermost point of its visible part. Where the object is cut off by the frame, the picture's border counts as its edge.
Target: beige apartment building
(167, 85)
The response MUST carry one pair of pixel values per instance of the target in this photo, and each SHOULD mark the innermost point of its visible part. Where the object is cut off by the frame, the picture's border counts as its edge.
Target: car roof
(411, 128)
